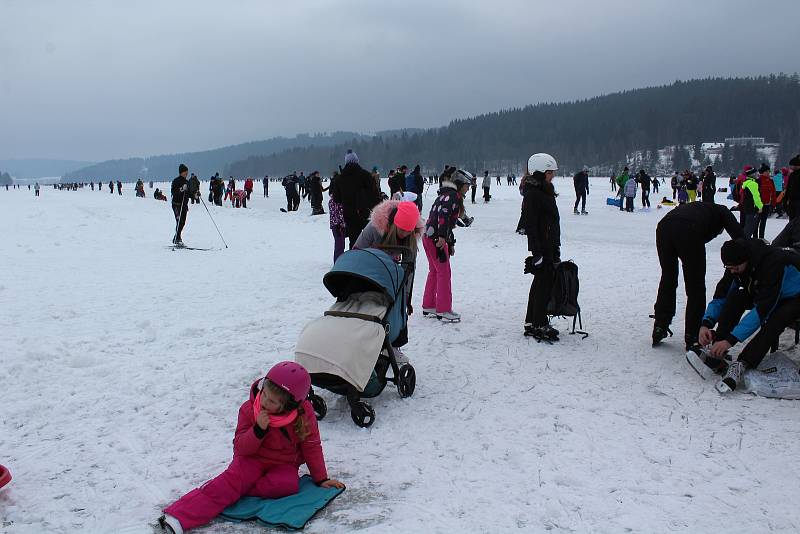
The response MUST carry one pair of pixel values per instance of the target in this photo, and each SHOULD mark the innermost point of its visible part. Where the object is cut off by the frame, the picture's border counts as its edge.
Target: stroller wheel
(320, 408)
(363, 415)
(407, 381)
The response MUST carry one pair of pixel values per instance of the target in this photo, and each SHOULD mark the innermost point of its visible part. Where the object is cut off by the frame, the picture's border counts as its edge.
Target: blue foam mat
(292, 512)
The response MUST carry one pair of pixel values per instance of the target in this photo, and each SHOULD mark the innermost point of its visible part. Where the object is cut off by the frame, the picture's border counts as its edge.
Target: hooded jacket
(372, 234)
(630, 188)
(444, 213)
(356, 193)
(279, 446)
(540, 220)
(772, 276)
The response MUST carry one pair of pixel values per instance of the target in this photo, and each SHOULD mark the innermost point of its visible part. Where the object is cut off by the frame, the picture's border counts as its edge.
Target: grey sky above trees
(105, 79)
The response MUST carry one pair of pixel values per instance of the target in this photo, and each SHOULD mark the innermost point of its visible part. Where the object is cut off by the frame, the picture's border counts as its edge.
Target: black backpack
(564, 297)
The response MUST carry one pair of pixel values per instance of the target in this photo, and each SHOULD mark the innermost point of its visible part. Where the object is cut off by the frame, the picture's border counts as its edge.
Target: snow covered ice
(124, 364)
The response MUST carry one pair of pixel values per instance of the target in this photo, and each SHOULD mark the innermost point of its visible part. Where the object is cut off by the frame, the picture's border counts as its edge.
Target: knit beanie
(406, 216)
(733, 252)
(795, 161)
(182, 168)
(350, 157)
(764, 168)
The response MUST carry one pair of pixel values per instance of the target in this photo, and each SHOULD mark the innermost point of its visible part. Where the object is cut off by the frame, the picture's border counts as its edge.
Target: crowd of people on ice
(756, 299)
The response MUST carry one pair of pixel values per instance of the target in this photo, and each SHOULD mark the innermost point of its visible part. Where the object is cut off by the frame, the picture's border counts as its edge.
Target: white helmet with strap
(541, 162)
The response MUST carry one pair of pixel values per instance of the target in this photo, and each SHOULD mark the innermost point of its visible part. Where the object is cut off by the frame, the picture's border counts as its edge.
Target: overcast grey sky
(96, 80)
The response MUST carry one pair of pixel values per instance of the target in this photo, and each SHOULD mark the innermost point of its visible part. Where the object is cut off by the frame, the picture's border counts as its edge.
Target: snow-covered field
(124, 364)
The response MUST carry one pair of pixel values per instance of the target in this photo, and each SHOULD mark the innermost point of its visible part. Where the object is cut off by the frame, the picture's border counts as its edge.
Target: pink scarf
(276, 421)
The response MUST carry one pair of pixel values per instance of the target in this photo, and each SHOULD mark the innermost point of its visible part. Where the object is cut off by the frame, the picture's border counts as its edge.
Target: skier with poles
(180, 202)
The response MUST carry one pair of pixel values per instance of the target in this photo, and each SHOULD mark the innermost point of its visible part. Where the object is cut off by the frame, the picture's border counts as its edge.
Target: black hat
(764, 168)
(182, 168)
(795, 161)
(733, 252)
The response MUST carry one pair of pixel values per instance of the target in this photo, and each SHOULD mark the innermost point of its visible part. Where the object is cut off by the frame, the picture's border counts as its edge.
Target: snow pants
(539, 294)
(437, 286)
(785, 313)
(679, 240)
(486, 195)
(629, 204)
(245, 475)
(473, 187)
(692, 194)
(338, 242)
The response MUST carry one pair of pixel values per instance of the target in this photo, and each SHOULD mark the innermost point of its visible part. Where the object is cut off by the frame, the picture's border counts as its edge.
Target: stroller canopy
(362, 270)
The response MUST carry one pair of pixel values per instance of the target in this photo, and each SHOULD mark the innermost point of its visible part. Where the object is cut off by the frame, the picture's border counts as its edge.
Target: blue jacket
(772, 276)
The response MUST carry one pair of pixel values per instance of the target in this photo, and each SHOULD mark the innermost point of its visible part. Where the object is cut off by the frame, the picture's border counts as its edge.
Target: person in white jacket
(487, 183)
(630, 194)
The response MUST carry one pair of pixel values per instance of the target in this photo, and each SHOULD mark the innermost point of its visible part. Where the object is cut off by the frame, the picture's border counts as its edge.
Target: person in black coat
(682, 235)
(357, 195)
(791, 194)
(709, 184)
(180, 202)
(581, 183)
(540, 222)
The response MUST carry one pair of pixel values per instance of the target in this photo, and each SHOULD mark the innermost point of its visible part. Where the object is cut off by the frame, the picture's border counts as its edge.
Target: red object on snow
(5, 476)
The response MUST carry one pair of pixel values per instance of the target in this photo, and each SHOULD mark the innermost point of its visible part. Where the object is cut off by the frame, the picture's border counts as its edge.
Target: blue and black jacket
(773, 275)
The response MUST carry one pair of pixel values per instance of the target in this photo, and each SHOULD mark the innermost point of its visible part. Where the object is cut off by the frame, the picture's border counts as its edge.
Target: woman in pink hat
(394, 227)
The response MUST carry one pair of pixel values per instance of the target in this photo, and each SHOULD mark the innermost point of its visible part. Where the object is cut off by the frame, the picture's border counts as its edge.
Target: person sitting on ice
(275, 434)
(757, 276)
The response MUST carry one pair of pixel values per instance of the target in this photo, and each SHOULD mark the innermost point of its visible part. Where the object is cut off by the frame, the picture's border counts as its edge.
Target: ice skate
(429, 312)
(170, 525)
(449, 317)
(660, 331)
(704, 363)
(733, 377)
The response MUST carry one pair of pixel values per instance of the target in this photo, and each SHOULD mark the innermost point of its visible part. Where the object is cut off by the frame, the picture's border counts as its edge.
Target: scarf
(277, 420)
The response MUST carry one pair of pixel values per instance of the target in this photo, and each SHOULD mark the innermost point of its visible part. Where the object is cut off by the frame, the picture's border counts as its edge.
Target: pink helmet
(292, 378)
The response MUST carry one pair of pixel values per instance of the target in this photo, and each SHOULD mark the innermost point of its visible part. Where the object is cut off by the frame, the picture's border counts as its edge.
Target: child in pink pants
(276, 433)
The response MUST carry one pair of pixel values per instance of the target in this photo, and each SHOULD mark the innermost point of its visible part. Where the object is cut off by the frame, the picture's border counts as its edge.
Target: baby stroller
(348, 351)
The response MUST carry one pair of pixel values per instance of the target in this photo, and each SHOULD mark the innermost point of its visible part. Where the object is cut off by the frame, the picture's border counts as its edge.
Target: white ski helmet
(541, 162)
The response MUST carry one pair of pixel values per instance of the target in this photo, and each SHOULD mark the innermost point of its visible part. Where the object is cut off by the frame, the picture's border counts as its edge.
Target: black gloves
(533, 263)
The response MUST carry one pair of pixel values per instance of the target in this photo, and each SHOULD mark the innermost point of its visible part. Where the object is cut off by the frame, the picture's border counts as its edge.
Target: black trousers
(539, 294)
(749, 223)
(580, 196)
(474, 187)
(645, 198)
(784, 315)
(762, 220)
(354, 228)
(678, 240)
(486, 194)
(180, 219)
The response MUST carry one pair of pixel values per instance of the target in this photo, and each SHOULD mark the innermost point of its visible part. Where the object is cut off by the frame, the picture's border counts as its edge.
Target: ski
(184, 247)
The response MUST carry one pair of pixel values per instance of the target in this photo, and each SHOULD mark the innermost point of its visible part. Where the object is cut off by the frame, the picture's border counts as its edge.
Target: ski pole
(213, 221)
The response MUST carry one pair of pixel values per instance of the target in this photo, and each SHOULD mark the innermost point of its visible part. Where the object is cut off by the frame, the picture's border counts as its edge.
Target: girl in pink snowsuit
(276, 433)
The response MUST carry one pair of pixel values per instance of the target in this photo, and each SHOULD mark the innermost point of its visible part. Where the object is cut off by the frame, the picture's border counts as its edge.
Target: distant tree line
(601, 132)
(5, 179)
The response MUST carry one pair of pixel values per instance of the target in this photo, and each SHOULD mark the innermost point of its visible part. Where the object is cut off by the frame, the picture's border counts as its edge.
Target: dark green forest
(5, 179)
(602, 132)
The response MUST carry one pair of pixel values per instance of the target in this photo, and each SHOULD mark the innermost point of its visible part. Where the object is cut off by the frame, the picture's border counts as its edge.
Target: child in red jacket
(276, 433)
